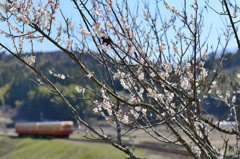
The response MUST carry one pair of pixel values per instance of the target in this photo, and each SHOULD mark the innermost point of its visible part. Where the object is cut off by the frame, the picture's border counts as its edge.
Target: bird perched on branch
(107, 40)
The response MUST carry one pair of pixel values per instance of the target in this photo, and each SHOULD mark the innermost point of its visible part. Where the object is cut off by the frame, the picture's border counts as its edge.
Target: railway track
(155, 149)
(171, 152)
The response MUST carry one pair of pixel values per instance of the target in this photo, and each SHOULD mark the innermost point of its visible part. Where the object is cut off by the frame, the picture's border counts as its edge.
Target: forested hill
(23, 99)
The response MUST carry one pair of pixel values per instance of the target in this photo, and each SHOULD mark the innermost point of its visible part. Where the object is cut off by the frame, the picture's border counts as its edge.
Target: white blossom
(125, 119)
(90, 75)
(71, 26)
(30, 59)
(105, 47)
(84, 32)
(131, 111)
(214, 83)
(59, 38)
(146, 16)
(204, 73)
(82, 90)
(188, 65)
(227, 94)
(160, 96)
(136, 115)
(109, 111)
(152, 74)
(141, 76)
(137, 108)
(233, 99)
(185, 83)
(50, 72)
(170, 96)
(68, 43)
(162, 47)
(123, 83)
(62, 76)
(238, 75)
(144, 111)
(95, 109)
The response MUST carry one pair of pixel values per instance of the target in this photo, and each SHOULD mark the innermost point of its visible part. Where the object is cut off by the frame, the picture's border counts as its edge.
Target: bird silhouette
(107, 40)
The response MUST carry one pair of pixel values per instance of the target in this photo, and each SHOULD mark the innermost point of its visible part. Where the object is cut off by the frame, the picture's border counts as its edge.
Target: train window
(67, 127)
(49, 128)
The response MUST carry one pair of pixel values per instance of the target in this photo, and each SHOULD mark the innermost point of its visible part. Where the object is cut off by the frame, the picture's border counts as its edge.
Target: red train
(45, 129)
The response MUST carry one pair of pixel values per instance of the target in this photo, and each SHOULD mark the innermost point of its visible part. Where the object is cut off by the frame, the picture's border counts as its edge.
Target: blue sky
(211, 20)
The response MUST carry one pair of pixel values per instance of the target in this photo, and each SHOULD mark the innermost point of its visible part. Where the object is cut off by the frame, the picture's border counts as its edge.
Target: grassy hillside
(27, 148)
(19, 91)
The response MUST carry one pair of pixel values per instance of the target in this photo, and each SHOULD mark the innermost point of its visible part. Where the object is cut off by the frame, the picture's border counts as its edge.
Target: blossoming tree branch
(158, 60)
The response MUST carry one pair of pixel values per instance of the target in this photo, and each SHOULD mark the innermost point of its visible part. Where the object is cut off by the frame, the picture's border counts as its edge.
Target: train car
(44, 129)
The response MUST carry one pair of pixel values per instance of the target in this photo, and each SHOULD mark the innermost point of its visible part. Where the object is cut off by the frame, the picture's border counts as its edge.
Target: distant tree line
(20, 91)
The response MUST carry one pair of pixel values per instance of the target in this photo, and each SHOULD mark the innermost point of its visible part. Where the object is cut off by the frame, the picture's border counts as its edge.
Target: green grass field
(28, 148)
